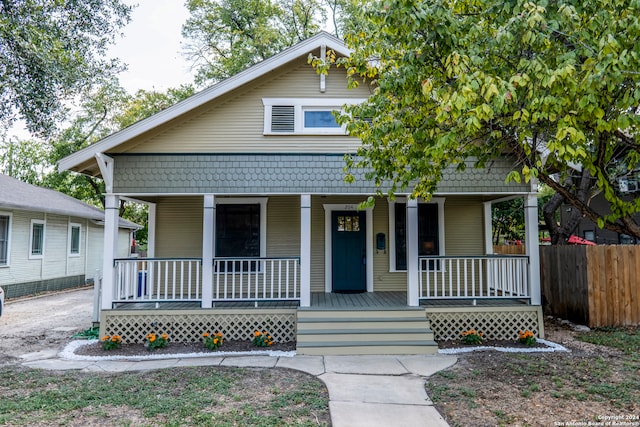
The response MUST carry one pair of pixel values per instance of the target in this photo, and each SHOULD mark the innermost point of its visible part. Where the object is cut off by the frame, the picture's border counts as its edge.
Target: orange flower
(206, 334)
(165, 337)
(215, 340)
(105, 338)
(218, 334)
(257, 334)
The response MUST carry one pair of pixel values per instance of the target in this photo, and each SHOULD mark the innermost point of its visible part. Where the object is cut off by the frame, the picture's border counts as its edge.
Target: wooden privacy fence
(593, 285)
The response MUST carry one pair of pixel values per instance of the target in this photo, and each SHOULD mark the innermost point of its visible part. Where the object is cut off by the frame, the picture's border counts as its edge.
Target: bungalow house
(252, 227)
(48, 240)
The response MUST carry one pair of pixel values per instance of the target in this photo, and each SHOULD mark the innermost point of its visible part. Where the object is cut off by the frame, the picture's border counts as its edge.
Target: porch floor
(331, 301)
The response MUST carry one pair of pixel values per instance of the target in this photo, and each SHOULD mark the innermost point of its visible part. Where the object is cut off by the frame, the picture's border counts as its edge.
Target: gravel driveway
(43, 323)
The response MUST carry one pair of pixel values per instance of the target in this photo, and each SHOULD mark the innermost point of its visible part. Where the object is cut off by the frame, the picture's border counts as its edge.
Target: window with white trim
(311, 116)
(430, 231)
(74, 239)
(36, 238)
(240, 228)
(5, 232)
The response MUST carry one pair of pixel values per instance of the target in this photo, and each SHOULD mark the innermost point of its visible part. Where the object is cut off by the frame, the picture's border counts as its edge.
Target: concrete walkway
(363, 390)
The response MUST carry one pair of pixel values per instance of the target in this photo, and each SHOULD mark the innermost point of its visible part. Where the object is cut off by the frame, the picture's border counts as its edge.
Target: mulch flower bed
(96, 349)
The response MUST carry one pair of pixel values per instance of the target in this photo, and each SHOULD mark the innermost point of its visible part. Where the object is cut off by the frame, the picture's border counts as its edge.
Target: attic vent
(282, 118)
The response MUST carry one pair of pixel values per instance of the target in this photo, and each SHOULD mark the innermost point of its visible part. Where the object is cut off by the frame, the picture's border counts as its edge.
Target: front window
(5, 222)
(74, 239)
(238, 231)
(428, 232)
(37, 239)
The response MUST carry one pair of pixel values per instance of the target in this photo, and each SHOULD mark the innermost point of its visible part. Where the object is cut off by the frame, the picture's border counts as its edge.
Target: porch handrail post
(533, 250)
(208, 237)
(305, 250)
(110, 243)
(413, 293)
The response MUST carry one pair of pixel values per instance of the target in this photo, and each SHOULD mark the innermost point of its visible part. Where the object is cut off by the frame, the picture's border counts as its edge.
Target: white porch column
(305, 250)
(533, 251)
(488, 228)
(208, 236)
(151, 231)
(110, 243)
(412, 253)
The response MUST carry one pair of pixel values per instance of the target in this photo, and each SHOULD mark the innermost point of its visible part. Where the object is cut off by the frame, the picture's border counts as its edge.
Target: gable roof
(74, 161)
(19, 195)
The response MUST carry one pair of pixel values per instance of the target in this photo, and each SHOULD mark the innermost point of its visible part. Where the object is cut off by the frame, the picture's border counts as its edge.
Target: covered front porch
(312, 245)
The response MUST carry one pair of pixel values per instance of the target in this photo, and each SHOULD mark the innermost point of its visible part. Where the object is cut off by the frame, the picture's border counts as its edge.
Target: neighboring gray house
(48, 240)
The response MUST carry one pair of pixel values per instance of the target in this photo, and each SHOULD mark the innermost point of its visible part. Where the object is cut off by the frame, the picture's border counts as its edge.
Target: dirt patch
(587, 384)
(178, 349)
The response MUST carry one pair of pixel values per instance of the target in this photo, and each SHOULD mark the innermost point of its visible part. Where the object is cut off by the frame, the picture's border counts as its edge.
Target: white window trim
(44, 239)
(71, 226)
(392, 229)
(302, 104)
(10, 215)
(262, 201)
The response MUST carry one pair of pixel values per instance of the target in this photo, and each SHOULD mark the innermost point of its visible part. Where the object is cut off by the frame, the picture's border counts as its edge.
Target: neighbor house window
(429, 232)
(590, 235)
(37, 238)
(74, 239)
(284, 116)
(5, 228)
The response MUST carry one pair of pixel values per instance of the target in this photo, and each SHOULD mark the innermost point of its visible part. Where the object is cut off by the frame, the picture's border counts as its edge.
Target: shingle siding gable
(277, 174)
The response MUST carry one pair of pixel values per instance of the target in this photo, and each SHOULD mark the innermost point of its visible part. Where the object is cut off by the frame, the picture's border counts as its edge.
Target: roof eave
(85, 155)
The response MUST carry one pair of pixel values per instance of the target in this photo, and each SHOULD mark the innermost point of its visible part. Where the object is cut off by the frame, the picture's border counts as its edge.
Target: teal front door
(348, 248)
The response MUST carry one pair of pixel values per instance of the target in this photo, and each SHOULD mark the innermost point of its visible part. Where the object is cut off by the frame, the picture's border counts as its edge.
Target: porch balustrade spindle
(473, 278)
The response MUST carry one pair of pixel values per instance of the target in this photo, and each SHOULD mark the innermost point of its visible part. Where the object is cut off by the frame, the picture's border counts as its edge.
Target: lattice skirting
(495, 323)
(189, 325)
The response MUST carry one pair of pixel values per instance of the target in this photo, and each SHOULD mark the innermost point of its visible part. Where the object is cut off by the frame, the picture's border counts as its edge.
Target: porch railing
(256, 279)
(158, 279)
(474, 277)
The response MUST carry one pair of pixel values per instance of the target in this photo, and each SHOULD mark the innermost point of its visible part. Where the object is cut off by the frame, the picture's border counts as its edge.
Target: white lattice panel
(494, 325)
(189, 326)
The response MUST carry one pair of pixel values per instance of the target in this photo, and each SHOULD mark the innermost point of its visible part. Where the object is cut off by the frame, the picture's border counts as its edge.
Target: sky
(151, 46)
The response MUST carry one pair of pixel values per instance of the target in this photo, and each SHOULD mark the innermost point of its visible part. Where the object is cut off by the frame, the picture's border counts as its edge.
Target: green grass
(212, 396)
(579, 379)
(88, 334)
(625, 339)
